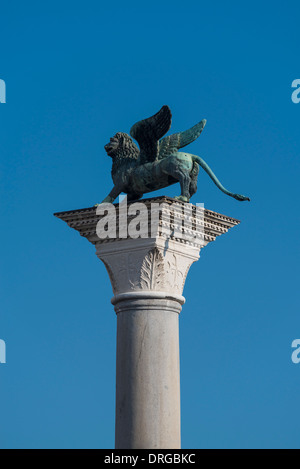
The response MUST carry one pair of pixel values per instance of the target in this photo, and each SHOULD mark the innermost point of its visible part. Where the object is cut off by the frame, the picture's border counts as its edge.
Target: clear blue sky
(77, 72)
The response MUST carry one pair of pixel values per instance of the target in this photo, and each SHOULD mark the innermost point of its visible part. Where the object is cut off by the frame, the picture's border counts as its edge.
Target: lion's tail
(206, 168)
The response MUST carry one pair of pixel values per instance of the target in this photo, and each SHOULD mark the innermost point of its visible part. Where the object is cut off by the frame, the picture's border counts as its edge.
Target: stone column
(147, 387)
(147, 276)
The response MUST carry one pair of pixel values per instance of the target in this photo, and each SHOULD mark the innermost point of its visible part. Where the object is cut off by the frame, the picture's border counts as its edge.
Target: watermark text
(296, 92)
(140, 220)
(2, 92)
(2, 351)
(296, 352)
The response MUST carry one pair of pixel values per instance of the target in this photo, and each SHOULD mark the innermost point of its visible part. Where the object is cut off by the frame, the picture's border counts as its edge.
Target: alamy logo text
(2, 351)
(2, 92)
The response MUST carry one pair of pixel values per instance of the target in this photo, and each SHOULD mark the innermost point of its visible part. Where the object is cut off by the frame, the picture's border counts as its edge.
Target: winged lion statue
(158, 163)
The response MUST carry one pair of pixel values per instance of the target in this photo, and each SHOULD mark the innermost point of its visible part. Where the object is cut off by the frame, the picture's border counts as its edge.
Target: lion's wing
(171, 144)
(148, 132)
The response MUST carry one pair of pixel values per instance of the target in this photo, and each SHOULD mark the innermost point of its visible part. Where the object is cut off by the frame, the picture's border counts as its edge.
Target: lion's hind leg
(194, 179)
(184, 180)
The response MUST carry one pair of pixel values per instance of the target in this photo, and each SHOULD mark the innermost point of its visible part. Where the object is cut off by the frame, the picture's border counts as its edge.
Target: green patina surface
(158, 163)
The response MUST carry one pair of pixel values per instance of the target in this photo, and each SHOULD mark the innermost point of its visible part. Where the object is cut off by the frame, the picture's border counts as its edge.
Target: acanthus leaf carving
(175, 275)
(152, 271)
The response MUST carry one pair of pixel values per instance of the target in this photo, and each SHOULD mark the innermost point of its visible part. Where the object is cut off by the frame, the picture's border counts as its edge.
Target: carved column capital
(156, 264)
(148, 271)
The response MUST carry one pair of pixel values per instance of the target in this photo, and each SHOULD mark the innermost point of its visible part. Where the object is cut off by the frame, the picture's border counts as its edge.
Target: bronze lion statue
(158, 163)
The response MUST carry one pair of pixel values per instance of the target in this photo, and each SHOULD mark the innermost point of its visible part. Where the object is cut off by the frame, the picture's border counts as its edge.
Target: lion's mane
(126, 154)
(127, 148)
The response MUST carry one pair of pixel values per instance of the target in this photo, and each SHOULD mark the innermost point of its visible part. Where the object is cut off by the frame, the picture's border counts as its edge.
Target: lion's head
(121, 145)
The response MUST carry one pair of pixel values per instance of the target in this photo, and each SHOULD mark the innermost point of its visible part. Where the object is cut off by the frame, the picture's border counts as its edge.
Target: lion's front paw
(183, 198)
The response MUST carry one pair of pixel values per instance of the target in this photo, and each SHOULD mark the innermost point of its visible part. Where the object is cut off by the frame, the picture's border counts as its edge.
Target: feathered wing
(148, 132)
(171, 144)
